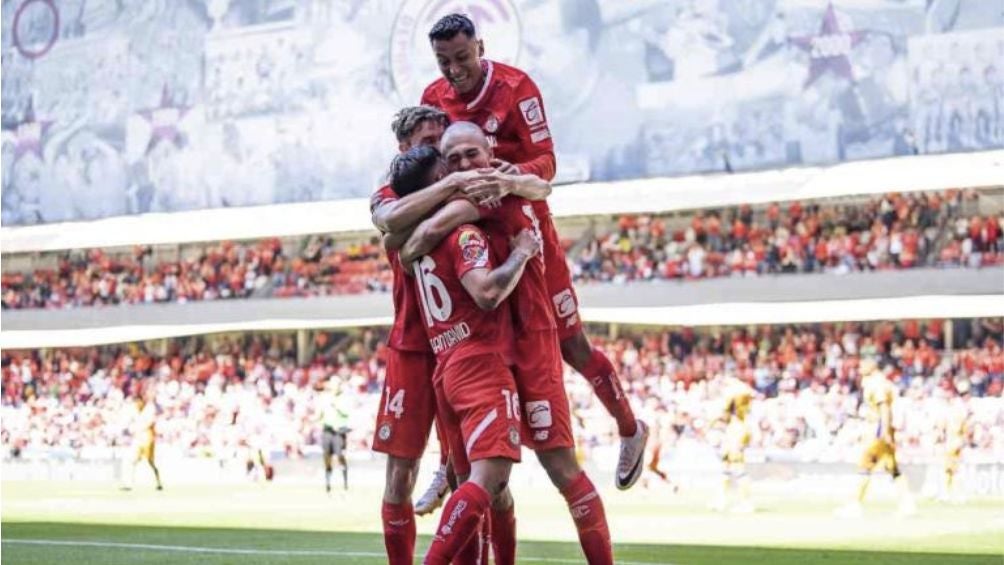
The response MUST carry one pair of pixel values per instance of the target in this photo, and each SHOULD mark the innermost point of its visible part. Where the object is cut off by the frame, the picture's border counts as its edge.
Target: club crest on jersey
(491, 124)
(473, 248)
(384, 432)
(514, 436)
(533, 114)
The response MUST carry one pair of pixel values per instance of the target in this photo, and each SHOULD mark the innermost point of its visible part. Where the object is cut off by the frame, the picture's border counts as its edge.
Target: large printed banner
(129, 106)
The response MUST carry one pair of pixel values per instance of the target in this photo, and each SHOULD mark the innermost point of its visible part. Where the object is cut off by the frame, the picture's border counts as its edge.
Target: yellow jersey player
(955, 427)
(878, 395)
(144, 429)
(335, 411)
(738, 400)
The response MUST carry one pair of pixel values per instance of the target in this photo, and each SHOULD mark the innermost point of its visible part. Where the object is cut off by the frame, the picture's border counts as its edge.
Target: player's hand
(527, 242)
(490, 187)
(504, 167)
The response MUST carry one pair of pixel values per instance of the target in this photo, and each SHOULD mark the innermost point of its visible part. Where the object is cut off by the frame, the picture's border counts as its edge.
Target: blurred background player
(878, 395)
(335, 409)
(738, 397)
(955, 429)
(144, 432)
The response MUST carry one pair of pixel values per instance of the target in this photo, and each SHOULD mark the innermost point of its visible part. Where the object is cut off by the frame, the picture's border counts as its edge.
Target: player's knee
(401, 476)
(503, 500)
(576, 351)
(561, 466)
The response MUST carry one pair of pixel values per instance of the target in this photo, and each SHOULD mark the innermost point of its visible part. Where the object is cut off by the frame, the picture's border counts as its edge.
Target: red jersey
(531, 303)
(407, 333)
(510, 110)
(456, 327)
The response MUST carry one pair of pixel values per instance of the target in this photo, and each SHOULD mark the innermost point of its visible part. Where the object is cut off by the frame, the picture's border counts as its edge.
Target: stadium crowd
(895, 231)
(217, 395)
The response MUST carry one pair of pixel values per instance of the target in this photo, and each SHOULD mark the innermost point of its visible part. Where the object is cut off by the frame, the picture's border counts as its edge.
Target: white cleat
(434, 495)
(630, 464)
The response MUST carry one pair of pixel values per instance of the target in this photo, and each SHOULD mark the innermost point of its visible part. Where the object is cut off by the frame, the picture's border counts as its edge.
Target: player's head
(458, 51)
(415, 169)
(418, 125)
(465, 147)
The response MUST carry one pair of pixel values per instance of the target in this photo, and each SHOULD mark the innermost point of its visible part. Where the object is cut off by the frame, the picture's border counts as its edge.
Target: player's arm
(490, 288)
(496, 185)
(391, 216)
(395, 241)
(431, 231)
(534, 132)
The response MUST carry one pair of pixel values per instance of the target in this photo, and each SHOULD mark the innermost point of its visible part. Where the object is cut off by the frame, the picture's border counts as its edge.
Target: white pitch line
(250, 551)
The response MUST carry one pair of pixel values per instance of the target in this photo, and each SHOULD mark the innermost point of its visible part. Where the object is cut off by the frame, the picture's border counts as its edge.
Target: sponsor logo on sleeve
(533, 114)
(539, 413)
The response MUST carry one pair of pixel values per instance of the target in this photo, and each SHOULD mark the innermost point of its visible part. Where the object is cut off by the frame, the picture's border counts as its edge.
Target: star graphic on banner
(829, 50)
(164, 119)
(28, 133)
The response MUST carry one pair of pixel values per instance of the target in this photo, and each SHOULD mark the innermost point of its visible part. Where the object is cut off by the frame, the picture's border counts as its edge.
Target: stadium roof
(918, 173)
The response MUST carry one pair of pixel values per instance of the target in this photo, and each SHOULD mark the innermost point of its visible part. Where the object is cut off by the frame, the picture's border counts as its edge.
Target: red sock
(399, 533)
(504, 535)
(460, 520)
(601, 375)
(590, 520)
(476, 548)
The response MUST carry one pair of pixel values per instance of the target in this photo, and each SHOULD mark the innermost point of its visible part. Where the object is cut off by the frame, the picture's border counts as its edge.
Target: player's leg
(480, 394)
(328, 446)
(867, 463)
(341, 442)
(408, 406)
(599, 372)
(435, 494)
(584, 503)
(150, 453)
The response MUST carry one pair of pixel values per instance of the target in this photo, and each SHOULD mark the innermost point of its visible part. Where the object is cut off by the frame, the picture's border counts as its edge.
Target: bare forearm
(408, 211)
(395, 241)
(531, 187)
(504, 278)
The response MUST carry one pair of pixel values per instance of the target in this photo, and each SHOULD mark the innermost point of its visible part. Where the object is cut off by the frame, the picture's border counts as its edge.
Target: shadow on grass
(85, 544)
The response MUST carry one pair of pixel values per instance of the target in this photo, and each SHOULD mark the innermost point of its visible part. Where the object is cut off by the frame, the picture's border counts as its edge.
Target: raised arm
(431, 231)
(490, 288)
(390, 216)
(496, 185)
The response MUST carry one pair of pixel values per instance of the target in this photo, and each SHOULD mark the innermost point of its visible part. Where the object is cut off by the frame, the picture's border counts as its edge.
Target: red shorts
(547, 422)
(479, 407)
(559, 283)
(407, 404)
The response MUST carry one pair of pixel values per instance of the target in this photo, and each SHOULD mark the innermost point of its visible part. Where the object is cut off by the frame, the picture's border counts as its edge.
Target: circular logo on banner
(35, 28)
(384, 432)
(412, 64)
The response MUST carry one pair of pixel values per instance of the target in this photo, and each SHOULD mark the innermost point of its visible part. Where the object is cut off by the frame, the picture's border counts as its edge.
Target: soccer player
(547, 426)
(508, 107)
(407, 404)
(460, 292)
(738, 397)
(334, 435)
(879, 394)
(144, 438)
(955, 429)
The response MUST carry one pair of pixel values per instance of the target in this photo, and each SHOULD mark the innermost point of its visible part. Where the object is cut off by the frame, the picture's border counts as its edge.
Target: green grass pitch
(94, 523)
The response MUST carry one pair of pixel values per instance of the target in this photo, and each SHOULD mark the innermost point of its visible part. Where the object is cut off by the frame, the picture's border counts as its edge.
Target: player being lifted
(878, 395)
(547, 426)
(144, 433)
(738, 396)
(506, 104)
(467, 320)
(335, 411)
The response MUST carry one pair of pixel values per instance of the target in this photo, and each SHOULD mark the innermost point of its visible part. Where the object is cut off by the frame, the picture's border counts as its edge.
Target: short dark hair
(450, 25)
(409, 171)
(407, 120)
